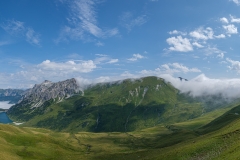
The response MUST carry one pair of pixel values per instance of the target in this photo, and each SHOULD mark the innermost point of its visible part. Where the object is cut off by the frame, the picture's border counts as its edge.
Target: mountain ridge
(125, 105)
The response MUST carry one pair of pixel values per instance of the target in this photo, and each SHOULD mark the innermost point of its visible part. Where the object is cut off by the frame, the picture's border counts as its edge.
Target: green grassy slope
(176, 141)
(120, 106)
(221, 142)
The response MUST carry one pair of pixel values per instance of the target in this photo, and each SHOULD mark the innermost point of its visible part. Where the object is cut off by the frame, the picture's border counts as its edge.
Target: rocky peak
(182, 79)
(50, 90)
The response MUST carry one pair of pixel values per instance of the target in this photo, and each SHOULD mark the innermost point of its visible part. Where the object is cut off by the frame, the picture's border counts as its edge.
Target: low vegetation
(188, 140)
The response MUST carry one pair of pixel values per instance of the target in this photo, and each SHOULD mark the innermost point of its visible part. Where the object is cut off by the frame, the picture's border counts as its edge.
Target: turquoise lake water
(4, 118)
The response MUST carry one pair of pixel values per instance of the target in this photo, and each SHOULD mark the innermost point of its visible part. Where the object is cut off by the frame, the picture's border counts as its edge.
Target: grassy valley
(186, 140)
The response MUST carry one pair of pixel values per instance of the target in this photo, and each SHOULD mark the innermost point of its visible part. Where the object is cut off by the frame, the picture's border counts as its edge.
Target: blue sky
(103, 40)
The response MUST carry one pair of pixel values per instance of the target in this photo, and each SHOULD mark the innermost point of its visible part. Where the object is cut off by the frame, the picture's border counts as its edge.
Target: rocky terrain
(47, 90)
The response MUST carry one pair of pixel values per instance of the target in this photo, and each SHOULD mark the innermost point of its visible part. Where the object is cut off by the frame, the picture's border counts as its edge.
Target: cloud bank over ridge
(202, 85)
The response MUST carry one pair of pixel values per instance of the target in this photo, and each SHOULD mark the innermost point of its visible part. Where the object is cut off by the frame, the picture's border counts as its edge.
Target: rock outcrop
(47, 90)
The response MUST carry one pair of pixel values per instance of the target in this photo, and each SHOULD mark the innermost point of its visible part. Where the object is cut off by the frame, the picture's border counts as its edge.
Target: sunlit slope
(176, 141)
(225, 120)
(28, 143)
(120, 106)
(187, 144)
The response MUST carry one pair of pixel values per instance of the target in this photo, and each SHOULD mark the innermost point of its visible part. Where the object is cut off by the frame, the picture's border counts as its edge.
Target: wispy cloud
(234, 65)
(3, 43)
(18, 28)
(177, 32)
(224, 20)
(210, 50)
(136, 57)
(69, 66)
(13, 27)
(99, 44)
(236, 1)
(113, 61)
(170, 68)
(197, 45)
(177, 67)
(104, 59)
(32, 37)
(83, 22)
(179, 44)
(128, 21)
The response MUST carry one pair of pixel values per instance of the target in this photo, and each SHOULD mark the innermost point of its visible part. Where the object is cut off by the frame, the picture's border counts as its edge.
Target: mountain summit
(47, 90)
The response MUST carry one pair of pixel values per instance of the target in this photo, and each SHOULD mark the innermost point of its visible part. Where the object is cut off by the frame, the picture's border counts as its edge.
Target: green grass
(183, 141)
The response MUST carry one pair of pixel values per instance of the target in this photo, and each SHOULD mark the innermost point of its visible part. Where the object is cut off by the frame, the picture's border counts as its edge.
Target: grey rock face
(49, 90)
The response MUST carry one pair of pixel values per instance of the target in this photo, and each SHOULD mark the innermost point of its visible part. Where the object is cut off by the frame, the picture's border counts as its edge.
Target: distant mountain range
(123, 106)
(12, 95)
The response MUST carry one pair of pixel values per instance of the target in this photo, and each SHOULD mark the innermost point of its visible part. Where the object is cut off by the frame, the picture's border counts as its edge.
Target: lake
(3, 116)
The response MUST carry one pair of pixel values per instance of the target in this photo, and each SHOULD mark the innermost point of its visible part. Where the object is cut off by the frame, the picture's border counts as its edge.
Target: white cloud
(235, 65)
(220, 36)
(224, 20)
(14, 27)
(221, 55)
(236, 1)
(231, 29)
(177, 67)
(128, 21)
(69, 66)
(113, 61)
(101, 55)
(202, 85)
(202, 34)
(234, 20)
(197, 45)
(136, 57)
(104, 59)
(83, 22)
(179, 44)
(170, 68)
(177, 32)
